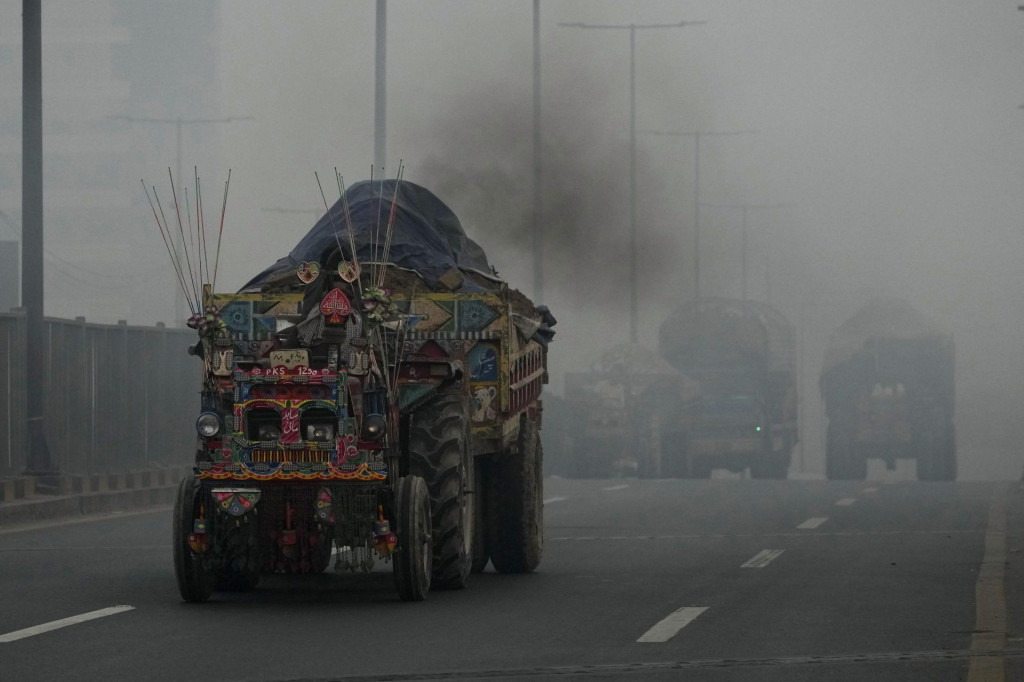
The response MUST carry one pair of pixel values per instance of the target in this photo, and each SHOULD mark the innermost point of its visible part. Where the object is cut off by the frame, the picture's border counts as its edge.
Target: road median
(22, 500)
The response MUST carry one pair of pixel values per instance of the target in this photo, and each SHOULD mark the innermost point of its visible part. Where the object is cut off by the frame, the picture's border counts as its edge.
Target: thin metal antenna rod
(201, 218)
(163, 235)
(177, 259)
(181, 231)
(330, 217)
(348, 224)
(178, 124)
(220, 233)
(202, 230)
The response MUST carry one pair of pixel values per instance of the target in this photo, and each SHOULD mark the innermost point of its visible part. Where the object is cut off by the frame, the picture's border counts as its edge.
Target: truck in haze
(888, 385)
(374, 395)
(616, 411)
(737, 404)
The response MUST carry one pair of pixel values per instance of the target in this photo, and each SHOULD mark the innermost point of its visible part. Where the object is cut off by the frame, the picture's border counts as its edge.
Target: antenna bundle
(375, 298)
(194, 274)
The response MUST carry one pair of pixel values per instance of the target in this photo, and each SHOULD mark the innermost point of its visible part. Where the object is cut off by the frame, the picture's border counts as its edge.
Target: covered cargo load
(739, 358)
(427, 237)
(888, 384)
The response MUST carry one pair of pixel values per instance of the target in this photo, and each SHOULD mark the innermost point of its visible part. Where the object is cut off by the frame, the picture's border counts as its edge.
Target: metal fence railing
(118, 398)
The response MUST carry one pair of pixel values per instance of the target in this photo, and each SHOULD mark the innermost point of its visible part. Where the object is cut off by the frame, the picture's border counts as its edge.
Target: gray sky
(892, 126)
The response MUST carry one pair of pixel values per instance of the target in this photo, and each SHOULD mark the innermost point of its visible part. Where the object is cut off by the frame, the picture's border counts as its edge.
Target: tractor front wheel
(195, 583)
(413, 558)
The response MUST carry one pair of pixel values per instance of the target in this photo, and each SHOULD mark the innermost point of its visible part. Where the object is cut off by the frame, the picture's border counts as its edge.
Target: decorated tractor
(373, 396)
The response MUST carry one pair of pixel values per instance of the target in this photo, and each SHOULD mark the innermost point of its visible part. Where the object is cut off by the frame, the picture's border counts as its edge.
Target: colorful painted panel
(456, 314)
(434, 316)
(484, 372)
(372, 471)
(291, 392)
(252, 317)
(483, 363)
(475, 316)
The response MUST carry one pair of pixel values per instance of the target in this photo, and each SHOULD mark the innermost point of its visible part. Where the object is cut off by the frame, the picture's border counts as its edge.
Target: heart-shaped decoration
(348, 271)
(308, 272)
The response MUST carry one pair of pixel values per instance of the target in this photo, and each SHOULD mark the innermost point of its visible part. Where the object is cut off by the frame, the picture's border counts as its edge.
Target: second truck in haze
(737, 401)
(888, 386)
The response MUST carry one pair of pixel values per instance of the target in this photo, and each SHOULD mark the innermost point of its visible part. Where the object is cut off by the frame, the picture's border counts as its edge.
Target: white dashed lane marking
(62, 623)
(870, 490)
(616, 487)
(846, 502)
(812, 523)
(552, 500)
(670, 625)
(763, 558)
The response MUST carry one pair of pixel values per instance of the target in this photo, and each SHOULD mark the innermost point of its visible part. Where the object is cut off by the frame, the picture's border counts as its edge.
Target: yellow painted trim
(260, 298)
(489, 298)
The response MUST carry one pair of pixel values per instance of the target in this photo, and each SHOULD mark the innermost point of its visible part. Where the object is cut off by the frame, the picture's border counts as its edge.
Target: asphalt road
(641, 579)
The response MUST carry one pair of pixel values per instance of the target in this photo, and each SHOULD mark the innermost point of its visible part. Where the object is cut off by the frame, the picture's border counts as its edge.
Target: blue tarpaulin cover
(427, 236)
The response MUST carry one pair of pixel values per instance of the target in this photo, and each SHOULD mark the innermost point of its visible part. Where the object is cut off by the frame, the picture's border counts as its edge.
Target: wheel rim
(423, 530)
(468, 502)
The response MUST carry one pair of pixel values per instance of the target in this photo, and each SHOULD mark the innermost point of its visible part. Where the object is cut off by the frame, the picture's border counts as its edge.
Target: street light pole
(32, 297)
(696, 135)
(632, 28)
(745, 209)
(179, 123)
(538, 234)
(380, 88)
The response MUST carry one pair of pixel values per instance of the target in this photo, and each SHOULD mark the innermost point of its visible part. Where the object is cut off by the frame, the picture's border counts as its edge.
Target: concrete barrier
(17, 488)
(21, 503)
(7, 490)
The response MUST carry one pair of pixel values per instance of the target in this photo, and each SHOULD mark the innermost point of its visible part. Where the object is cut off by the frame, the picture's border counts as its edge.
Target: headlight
(374, 427)
(320, 432)
(208, 425)
(268, 432)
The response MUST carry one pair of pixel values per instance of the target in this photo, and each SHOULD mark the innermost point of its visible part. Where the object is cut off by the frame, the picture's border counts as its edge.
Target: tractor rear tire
(195, 583)
(413, 557)
(516, 504)
(439, 453)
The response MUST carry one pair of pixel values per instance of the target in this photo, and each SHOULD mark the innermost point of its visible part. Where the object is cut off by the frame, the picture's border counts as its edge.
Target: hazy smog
(879, 144)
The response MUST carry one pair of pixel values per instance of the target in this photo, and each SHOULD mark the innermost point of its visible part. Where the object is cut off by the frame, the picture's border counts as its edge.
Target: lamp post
(746, 208)
(632, 28)
(697, 135)
(39, 460)
(538, 235)
(380, 88)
